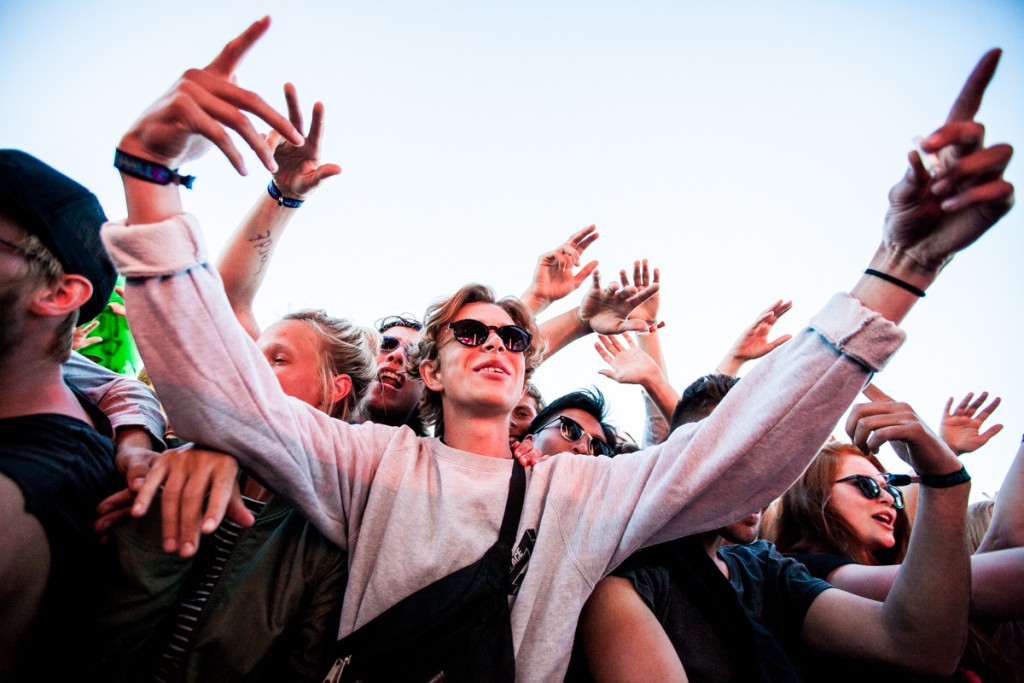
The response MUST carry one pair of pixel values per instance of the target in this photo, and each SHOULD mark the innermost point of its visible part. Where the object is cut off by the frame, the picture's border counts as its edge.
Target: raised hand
(527, 454)
(961, 427)
(753, 342)
(553, 277)
(930, 218)
(196, 110)
(648, 310)
(629, 363)
(299, 171)
(870, 425)
(606, 309)
(80, 337)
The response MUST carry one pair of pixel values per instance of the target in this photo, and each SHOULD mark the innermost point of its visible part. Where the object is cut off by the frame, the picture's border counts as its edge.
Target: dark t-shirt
(736, 629)
(64, 468)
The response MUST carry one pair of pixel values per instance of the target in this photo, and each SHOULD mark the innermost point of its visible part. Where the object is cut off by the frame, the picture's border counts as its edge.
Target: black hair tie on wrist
(896, 281)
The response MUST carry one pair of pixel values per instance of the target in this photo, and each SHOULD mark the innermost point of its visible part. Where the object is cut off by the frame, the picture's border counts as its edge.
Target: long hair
(806, 523)
(345, 349)
(440, 314)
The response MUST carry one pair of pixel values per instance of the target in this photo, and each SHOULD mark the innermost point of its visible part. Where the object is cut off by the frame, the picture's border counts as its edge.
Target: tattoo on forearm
(261, 243)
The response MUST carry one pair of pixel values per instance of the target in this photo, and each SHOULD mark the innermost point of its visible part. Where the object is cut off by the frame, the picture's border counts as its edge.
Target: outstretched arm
(753, 342)
(932, 218)
(922, 624)
(246, 258)
(553, 278)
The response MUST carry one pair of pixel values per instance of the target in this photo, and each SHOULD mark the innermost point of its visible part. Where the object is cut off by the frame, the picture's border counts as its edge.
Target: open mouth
(494, 369)
(391, 379)
(887, 518)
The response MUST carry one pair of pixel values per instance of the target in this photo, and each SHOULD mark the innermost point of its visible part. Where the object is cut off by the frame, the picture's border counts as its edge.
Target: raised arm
(246, 258)
(961, 426)
(922, 623)
(932, 218)
(753, 341)
(553, 278)
(1008, 514)
(631, 365)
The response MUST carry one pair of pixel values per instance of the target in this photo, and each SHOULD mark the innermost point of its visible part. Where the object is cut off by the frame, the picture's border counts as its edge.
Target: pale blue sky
(746, 148)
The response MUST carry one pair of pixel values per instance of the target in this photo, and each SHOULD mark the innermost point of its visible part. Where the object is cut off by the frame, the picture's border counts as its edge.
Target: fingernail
(941, 186)
(950, 204)
(273, 166)
(102, 526)
(170, 545)
(187, 549)
(209, 525)
(138, 509)
(138, 481)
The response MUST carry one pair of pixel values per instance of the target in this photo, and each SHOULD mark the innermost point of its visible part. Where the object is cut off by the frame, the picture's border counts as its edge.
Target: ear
(66, 296)
(342, 388)
(430, 375)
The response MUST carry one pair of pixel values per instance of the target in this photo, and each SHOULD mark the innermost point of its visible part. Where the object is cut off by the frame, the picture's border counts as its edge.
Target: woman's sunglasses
(572, 432)
(474, 333)
(870, 487)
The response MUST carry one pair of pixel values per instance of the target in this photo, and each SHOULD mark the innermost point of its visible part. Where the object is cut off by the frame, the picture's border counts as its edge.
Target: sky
(745, 148)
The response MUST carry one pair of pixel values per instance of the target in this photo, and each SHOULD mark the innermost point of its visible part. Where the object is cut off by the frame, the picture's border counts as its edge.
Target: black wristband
(275, 193)
(150, 171)
(946, 481)
(896, 281)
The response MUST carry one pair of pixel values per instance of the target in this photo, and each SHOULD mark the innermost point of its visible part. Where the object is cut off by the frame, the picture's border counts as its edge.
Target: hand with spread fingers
(299, 171)
(80, 338)
(554, 279)
(930, 219)
(642, 277)
(198, 109)
(753, 342)
(187, 475)
(606, 309)
(961, 427)
(629, 363)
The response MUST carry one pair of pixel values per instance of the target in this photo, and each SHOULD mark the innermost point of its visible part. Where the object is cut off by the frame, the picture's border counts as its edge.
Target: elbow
(940, 656)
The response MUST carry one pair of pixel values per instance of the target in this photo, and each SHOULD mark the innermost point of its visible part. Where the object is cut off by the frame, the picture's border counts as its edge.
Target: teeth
(390, 377)
(491, 368)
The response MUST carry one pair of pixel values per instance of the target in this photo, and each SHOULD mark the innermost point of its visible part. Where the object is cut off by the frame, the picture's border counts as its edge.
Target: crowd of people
(321, 501)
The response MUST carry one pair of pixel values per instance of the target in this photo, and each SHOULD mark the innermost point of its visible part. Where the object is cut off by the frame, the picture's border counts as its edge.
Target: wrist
(905, 266)
(534, 301)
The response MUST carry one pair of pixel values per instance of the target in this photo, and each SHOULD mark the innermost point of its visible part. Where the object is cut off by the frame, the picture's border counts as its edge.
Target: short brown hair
(440, 314)
(806, 523)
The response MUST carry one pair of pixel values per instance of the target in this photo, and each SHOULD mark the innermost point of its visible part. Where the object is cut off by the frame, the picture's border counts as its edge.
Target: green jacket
(272, 615)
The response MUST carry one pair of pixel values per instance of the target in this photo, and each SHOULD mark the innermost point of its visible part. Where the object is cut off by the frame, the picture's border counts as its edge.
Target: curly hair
(806, 522)
(346, 349)
(436, 321)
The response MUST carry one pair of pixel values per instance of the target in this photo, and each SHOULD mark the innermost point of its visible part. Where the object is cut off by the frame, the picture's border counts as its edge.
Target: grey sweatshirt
(411, 510)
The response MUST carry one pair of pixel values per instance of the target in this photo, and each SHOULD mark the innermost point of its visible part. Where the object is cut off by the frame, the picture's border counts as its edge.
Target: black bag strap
(513, 506)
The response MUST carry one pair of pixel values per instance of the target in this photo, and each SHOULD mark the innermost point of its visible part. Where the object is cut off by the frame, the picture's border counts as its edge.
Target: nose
(493, 341)
(887, 497)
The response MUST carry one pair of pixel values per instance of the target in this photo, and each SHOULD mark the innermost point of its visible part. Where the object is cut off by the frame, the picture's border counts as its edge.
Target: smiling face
(395, 395)
(480, 381)
(872, 520)
(292, 349)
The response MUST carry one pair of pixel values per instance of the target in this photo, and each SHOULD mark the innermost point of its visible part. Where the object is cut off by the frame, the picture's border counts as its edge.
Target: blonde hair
(45, 270)
(440, 314)
(345, 349)
(979, 517)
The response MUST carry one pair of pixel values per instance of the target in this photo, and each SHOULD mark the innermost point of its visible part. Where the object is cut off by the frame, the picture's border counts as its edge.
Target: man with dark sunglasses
(395, 399)
(413, 511)
(573, 423)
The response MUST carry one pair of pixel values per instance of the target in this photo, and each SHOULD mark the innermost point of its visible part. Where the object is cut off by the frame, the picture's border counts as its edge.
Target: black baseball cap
(66, 218)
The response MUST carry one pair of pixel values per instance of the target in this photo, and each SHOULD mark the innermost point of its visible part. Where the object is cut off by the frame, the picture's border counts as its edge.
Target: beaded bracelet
(150, 171)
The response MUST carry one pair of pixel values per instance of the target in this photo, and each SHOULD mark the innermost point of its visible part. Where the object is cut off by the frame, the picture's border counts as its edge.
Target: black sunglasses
(572, 432)
(870, 487)
(389, 343)
(474, 333)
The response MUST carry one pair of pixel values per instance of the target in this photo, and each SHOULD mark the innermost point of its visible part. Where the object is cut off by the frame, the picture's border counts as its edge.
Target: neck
(481, 435)
(712, 542)
(30, 386)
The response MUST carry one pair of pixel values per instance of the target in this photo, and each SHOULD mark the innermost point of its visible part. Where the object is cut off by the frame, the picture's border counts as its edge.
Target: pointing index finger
(231, 56)
(873, 393)
(969, 100)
